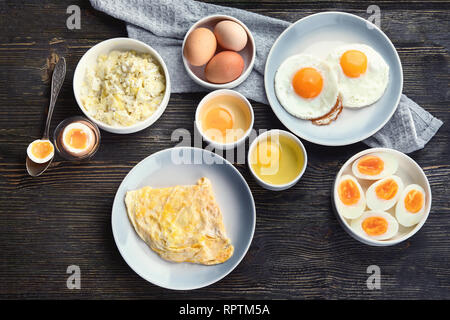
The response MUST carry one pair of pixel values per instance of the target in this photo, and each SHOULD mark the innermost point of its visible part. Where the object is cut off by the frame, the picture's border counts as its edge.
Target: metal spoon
(35, 169)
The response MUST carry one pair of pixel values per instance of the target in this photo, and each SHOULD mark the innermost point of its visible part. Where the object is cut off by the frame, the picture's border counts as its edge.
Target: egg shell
(200, 46)
(224, 67)
(230, 35)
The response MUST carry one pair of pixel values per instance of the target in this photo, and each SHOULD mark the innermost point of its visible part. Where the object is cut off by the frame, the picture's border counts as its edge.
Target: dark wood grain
(298, 251)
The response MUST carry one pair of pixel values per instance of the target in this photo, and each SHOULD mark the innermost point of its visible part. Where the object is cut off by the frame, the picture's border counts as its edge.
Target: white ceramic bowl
(89, 60)
(248, 54)
(198, 125)
(409, 171)
(277, 187)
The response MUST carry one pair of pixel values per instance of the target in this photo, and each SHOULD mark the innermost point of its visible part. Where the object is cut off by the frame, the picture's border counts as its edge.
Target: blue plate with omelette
(333, 64)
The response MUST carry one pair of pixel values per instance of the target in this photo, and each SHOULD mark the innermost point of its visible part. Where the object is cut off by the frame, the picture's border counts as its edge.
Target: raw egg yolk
(41, 149)
(414, 201)
(349, 192)
(220, 119)
(268, 153)
(307, 82)
(375, 226)
(353, 63)
(387, 190)
(77, 138)
(371, 165)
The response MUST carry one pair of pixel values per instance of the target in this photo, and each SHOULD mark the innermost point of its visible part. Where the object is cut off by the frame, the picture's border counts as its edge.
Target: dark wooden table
(299, 250)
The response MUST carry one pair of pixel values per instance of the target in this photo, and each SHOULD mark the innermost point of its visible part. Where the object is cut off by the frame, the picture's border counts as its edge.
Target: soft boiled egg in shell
(77, 138)
(362, 74)
(411, 207)
(374, 166)
(384, 194)
(306, 86)
(376, 225)
(40, 151)
(350, 200)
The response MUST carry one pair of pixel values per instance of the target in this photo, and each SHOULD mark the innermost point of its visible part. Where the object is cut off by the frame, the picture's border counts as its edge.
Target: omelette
(180, 223)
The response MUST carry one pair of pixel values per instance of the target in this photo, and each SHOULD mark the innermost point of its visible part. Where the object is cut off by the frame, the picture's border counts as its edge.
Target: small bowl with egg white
(224, 118)
(122, 85)
(277, 159)
(218, 52)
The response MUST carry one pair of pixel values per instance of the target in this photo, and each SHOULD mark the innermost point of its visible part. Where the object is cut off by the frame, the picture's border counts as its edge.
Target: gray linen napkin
(164, 23)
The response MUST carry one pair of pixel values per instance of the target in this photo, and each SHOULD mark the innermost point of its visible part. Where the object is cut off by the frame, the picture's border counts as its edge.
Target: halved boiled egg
(374, 166)
(411, 207)
(376, 225)
(383, 194)
(78, 138)
(350, 201)
(40, 151)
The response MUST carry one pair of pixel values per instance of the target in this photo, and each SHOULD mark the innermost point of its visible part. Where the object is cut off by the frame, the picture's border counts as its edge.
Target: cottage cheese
(125, 87)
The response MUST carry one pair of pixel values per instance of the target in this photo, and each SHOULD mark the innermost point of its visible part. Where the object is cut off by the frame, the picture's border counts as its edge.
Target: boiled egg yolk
(41, 149)
(375, 226)
(349, 192)
(370, 165)
(414, 201)
(307, 82)
(220, 119)
(387, 190)
(353, 63)
(76, 138)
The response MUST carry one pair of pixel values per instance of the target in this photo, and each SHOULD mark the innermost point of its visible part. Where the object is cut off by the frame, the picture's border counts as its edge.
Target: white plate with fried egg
(381, 197)
(326, 61)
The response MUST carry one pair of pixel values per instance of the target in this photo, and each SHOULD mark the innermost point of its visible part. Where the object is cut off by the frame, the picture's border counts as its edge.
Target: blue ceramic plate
(318, 34)
(183, 166)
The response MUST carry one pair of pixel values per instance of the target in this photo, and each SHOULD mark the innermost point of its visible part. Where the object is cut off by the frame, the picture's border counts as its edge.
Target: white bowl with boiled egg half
(381, 197)
(113, 81)
(218, 52)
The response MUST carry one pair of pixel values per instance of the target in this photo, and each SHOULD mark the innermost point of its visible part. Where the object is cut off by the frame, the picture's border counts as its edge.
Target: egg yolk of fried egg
(353, 63)
(40, 151)
(307, 82)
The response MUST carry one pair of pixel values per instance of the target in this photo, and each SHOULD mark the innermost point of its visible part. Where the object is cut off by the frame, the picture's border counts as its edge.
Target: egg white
(39, 160)
(352, 211)
(367, 88)
(404, 217)
(305, 108)
(375, 203)
(391, 231)
(390, 166)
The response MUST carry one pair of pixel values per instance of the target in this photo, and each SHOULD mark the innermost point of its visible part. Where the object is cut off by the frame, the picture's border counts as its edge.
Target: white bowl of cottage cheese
(122, 85)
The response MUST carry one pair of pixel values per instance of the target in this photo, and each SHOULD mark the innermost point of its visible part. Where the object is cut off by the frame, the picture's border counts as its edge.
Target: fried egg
(40, 151)
(384, 194)
(374, 166)
(306, 86)
(362, 74)
(376, 225)
(351, 201)
(411, 207)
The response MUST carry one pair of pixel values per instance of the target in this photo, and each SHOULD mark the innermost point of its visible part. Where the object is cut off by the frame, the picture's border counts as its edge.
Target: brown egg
(230, 35)
(224, 67)
(200, 46)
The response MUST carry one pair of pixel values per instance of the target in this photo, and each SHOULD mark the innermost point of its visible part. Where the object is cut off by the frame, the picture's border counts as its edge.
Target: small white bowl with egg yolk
(224, 118)
(408, 171)
(277, 159)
